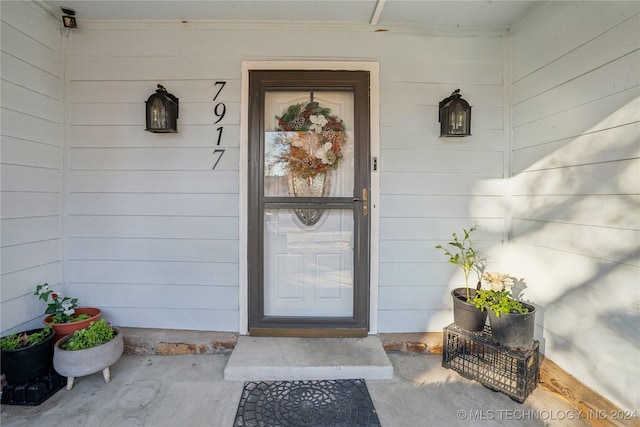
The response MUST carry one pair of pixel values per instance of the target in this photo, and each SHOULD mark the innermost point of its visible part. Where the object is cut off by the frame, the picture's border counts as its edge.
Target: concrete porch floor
(190, 390)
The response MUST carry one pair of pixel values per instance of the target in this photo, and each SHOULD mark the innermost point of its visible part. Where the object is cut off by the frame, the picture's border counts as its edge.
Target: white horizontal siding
(104, 136)
(575, 204)
(29, 128)
(570, 29)
(580, 120)
(21, 204)
(151, 272)
(151, 159)
(194, 297)
(154, 227)
(26, 75)
(129, 114)
(432, 186)
(21, 284)
(437, 184)
(399, 206)
(582, 89)
(149, 205)
(31, 161)
(125, 185)
(174, 318)
(163, 204)
(420, 320)
(588, 148)
(181, 250)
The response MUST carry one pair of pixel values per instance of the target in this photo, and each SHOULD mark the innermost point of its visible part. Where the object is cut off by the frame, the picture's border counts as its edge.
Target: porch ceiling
(474, 13)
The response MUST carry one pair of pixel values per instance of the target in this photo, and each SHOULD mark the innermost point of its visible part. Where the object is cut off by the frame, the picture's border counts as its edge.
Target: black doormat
(344, 403)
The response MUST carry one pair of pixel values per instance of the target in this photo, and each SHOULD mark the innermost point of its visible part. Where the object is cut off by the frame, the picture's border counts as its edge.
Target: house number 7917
(219, 111)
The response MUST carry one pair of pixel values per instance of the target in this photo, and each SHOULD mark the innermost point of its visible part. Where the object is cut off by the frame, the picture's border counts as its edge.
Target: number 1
(219, 134)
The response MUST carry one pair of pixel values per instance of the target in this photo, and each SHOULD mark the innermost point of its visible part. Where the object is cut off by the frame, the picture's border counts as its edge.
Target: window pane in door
(300, 146)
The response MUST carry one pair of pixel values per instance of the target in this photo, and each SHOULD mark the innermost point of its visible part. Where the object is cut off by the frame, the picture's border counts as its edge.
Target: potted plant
(512, 321)
(461, 252)
(65, 316)
(88, 351)
(27, 355)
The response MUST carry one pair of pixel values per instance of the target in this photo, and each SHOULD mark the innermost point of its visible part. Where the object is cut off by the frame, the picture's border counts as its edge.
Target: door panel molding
(244, 223)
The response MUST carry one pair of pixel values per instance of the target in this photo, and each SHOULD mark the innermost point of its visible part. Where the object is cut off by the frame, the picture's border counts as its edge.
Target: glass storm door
(308, 207)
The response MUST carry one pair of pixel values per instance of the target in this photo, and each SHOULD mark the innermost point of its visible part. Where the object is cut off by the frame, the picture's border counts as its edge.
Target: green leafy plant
(63, 307)
(498, 299)
(18, 341)
(462, 253)
(96, 334)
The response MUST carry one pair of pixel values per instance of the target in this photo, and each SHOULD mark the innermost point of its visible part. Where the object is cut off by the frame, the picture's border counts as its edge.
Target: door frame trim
(374, 97)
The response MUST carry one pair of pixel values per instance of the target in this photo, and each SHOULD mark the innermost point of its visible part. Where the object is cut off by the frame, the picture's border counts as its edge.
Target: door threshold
(309, 332)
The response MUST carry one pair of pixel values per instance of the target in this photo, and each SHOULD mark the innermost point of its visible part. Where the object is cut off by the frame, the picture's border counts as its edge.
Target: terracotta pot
(78, 363)
(62, 329)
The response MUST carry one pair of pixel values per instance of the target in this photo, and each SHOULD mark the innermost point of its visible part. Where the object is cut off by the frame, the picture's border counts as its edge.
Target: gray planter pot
(466, 316)
(514, 331)
(78, 363)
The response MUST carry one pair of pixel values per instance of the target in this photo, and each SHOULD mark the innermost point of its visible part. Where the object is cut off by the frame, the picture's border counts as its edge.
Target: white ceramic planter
(78, 363)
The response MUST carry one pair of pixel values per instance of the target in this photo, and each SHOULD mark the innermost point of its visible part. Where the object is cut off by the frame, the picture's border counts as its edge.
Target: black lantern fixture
(455, 116)
(162, 112)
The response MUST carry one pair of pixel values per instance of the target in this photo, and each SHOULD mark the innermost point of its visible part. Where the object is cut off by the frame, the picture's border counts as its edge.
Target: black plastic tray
(32, 393)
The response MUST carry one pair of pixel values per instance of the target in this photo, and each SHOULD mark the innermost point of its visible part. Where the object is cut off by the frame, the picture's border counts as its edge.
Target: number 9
(219, 114)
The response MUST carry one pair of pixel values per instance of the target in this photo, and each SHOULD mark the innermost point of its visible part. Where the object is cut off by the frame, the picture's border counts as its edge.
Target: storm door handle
(365, 202)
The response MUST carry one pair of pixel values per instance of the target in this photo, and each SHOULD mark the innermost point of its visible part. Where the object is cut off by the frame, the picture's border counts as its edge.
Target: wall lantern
(69, 18)
(455, 116)
(162, 112)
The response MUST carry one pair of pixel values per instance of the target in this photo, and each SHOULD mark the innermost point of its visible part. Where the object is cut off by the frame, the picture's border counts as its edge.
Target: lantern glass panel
(158, 115)
(458, 120)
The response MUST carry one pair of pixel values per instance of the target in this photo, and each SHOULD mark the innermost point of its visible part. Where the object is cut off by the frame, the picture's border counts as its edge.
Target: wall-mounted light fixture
(455, 116)
(162, 112)
(69, 18)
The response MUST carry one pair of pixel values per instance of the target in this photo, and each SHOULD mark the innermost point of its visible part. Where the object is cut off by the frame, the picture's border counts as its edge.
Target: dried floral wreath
(312, 139)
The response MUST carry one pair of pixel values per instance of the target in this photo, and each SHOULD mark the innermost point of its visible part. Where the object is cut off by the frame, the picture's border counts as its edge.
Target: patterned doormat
(343, 403)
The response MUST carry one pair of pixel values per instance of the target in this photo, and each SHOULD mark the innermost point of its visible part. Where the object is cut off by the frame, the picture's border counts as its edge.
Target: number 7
(219, 90)
(216, 151)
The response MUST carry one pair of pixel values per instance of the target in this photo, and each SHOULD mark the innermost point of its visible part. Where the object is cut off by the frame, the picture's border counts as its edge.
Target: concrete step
(271, 358)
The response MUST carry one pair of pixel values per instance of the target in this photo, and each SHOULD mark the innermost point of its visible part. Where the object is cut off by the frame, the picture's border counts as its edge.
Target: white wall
(152, 231)
(576, 186)
(31, 161)
(432, 186)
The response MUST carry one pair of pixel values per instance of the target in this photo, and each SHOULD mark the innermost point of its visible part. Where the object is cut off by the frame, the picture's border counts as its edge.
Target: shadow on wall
(575, 239)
